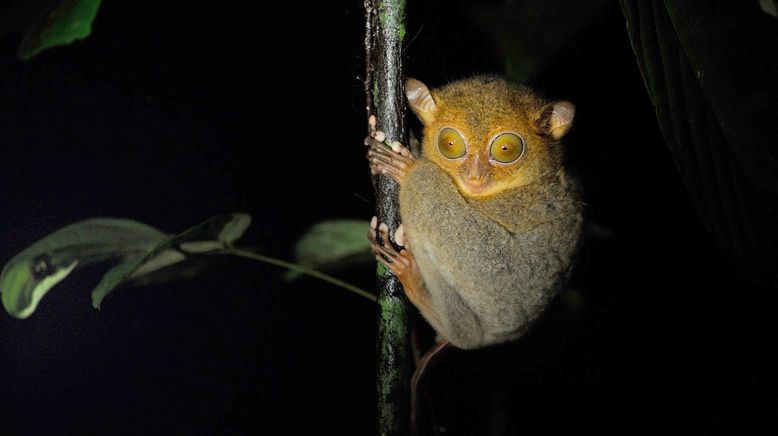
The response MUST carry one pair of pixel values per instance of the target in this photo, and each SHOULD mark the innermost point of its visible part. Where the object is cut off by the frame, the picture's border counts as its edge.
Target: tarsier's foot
(393, 160)
(400, 262)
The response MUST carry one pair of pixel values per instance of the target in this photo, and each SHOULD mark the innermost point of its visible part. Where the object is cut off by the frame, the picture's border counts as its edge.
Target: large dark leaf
(710, 69)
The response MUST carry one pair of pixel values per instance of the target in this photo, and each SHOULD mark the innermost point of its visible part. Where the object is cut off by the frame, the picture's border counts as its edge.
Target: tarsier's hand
(393, 160)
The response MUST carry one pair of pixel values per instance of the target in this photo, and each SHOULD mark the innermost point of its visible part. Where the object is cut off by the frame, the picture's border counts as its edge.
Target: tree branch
(385, 30)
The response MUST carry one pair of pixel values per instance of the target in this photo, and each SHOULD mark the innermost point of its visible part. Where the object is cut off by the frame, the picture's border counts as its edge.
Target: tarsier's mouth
(476, 187)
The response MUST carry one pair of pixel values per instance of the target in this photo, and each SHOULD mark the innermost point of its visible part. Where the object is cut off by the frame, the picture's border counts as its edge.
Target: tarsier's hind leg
(401, 263)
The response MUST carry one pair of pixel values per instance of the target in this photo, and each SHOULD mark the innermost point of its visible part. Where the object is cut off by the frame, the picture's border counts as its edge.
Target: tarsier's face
(483, 161)
(487, 135)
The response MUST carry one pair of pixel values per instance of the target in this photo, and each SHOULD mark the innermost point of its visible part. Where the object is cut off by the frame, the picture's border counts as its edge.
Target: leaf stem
(298, 268)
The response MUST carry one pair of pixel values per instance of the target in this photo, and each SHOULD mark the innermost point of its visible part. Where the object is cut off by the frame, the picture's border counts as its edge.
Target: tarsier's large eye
(507, 147)
(451, 144)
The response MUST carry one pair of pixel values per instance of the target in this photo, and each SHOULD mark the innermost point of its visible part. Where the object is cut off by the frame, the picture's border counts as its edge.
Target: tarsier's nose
(476, 172)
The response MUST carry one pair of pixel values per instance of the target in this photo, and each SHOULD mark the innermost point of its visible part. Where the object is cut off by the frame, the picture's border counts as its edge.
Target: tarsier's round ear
(420, 100)
(556, 119)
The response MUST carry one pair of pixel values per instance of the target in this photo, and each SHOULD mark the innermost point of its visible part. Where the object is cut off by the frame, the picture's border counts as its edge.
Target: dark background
(170, 116)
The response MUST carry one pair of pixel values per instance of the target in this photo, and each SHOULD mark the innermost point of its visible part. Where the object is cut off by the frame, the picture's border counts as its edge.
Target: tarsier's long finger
(379, 152)
(405, 257)
(396, 155)
(379, 148)
(392, 266)
(391, 160)
(371, 128)
(371, 123)
(375, 142)
(384, 251)
(388, 156)
(397, 264)
(402, 262)
(374, 135)
(403, 150)
(373, 153)
(392, 172)
(371, 234)
(381, 247)
(381, 259)
(383, 232)
(396, 169)
(378, 160)
(381, 145)
(399, 236)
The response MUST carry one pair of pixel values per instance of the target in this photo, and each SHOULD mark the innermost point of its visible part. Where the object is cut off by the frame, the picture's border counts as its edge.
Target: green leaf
(230, 227)
(333, 244)
(48, 23)
(30, 275)
(769, 6)
(139, 249)
(235, 228)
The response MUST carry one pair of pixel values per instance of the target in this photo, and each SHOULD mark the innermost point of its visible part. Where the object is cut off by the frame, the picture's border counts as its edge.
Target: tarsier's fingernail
(373, 222)
(371, 120)
(396, 146)
(383, 228)
(380, 136)
(367, 140)
(399, 236)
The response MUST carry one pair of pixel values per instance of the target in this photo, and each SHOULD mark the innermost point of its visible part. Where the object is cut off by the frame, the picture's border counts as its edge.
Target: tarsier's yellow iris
(451, 144)
(507, 147)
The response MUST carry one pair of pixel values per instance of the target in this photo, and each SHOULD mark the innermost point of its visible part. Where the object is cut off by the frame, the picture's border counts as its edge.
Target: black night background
(170, 114)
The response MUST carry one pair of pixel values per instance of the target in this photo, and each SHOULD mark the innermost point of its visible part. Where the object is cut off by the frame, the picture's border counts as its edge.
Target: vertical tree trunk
(385, 30)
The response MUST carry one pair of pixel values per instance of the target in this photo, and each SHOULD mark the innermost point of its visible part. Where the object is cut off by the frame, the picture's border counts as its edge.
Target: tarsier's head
(489, 135)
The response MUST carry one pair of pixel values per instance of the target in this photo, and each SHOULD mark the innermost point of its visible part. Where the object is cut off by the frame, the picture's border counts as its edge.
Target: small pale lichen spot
(376, 95)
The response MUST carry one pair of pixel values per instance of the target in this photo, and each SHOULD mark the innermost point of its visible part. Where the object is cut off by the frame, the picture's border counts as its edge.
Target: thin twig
(298, 268)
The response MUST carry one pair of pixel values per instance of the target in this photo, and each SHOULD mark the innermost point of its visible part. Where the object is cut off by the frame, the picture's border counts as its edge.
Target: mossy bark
(385, 30)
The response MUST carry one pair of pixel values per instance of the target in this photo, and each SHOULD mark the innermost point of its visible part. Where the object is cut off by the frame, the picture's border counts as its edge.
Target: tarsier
(490, 218)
